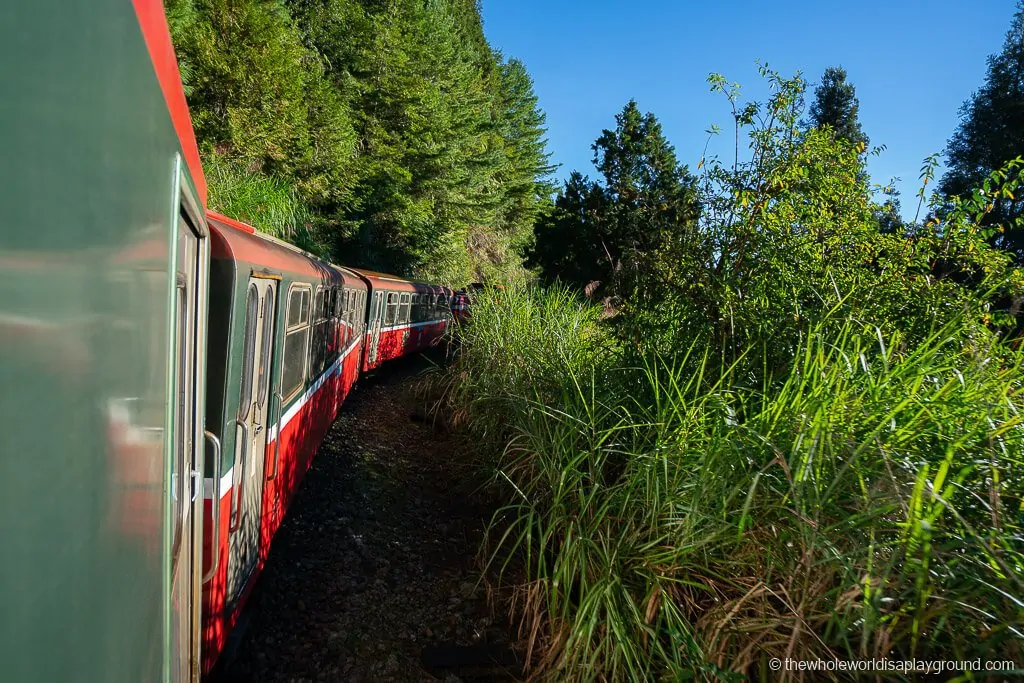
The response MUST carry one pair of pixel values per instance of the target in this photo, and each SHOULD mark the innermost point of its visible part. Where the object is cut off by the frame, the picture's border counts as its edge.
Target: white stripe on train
(226, 479)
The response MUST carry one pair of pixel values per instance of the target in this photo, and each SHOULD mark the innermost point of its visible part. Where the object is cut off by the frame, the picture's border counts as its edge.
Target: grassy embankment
(674, 521)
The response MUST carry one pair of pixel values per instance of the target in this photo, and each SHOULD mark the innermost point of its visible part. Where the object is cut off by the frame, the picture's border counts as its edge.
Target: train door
(188, 346)
(251, 433)
(378, 315)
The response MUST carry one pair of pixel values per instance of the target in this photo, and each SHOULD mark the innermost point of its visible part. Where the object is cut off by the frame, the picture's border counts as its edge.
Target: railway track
(373, 575)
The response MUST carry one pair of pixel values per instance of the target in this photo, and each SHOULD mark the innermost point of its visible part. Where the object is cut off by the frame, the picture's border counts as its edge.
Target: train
(167, 372)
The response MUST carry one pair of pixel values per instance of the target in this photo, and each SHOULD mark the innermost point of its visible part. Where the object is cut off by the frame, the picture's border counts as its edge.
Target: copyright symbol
(775, 663)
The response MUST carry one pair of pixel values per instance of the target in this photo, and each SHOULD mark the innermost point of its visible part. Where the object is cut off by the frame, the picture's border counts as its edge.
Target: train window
(252, 316)
(352, 313)
(358, 313)
(403, 314)
(296, 340)
(318, 354)
(391, 312)
(417, 308)
(298, 306)
(347, 331)
(179, 463)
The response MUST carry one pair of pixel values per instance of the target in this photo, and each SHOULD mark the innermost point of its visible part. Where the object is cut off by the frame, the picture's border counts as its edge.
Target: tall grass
(268, 203)
(674, 522)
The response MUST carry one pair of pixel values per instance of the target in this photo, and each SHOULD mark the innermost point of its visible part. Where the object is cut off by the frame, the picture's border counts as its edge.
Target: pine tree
(836, 106)
(991, 133)
(650, 202)
(260, 97)
(628, 233)
(569, 245)
(526, 168)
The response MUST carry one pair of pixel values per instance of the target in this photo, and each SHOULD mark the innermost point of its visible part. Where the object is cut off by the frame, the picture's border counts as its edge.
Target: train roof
(387, 281)
(241, 242)
(157, 34)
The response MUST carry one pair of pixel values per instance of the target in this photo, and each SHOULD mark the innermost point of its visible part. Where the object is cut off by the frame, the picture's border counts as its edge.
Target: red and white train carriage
(289, 335)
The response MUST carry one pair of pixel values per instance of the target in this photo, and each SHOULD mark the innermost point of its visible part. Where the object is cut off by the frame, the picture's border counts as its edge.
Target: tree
(990, 134)
(626, 233)
(569, 245)
(650, 205)
(836, 106)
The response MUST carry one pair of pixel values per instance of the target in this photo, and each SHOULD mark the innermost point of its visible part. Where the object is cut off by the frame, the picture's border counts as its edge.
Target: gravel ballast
(373, 575)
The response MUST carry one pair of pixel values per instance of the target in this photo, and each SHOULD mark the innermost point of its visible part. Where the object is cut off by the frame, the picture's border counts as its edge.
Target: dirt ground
(374, 573)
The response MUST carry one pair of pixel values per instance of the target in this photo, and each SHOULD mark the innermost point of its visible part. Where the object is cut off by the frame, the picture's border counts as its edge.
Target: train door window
(353, 312)
(318, 352)
(346, 321)
(266, 346)
(360, 313)
(403, 314)
(417, 313)
(348, 314)
(252, 304)
(180, 462)
(296, 340)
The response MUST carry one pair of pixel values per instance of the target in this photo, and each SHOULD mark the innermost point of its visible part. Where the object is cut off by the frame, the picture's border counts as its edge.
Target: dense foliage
(625, 236)
(797, 435)
(402, 141)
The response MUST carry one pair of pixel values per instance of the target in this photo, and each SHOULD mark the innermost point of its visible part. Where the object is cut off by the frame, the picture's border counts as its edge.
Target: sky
(913, 64)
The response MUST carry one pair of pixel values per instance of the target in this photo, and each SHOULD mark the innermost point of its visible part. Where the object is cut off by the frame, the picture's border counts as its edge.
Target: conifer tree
(991, 133)
(569, 244)
(836, 106)
(650, 202)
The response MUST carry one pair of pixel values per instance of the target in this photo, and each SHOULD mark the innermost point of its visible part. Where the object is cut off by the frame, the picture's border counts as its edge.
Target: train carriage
(283, 352)
(404, 316)
(102, 333)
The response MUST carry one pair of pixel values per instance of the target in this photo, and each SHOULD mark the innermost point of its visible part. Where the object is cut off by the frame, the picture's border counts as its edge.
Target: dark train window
(347, 320)
(352, 313)
(403, 314)
(318, 352)
(357, 312)
(362, 310)
(417, 313)
(252, 316)
(391, 312)
(296, 340)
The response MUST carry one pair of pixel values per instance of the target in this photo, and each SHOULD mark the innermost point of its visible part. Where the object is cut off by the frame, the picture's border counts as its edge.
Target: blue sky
(913, 63)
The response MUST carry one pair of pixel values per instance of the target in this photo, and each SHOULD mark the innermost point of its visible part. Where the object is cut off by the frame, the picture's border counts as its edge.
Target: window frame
(390, 309)
(292, 328)
(404, 310)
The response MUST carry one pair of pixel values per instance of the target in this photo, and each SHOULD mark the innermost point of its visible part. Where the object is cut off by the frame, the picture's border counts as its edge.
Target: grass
(264, 201)
(676, 523)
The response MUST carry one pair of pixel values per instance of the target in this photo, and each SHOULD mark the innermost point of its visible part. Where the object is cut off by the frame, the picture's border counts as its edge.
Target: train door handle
(277, 437)
(236, 481)
(214, 506)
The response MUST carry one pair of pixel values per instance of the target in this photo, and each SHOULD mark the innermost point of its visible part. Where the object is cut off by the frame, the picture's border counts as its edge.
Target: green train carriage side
(102, 322)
